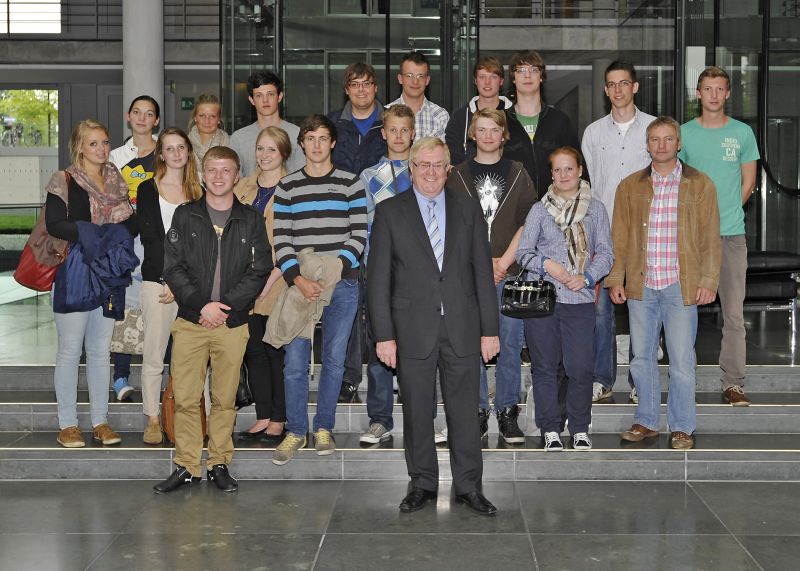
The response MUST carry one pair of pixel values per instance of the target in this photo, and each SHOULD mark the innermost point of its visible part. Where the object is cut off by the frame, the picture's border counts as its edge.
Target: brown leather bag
(41, 256)
(168, 412)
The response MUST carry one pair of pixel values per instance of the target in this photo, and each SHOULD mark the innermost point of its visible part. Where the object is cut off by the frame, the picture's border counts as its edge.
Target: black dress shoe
(275, 439)
(246, 435)
(177, 479)
(222, 478)
(416, 500)
(477, 502)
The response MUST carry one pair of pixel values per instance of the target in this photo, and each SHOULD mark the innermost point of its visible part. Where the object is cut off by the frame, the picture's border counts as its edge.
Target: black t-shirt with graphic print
(490, 183)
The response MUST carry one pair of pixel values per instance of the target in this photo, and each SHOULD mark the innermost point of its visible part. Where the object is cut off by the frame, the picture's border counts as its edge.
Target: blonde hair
(190, 183)
(429, 144)
(282, 141)
(712, 72)
(222, 152)
(495, 115)
(206, 99)
(78, 136)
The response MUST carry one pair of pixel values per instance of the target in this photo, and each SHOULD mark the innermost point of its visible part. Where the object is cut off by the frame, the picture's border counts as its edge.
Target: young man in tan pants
(216, 261)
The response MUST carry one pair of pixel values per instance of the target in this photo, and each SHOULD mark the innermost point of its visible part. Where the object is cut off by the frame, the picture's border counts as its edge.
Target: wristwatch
(585, 281)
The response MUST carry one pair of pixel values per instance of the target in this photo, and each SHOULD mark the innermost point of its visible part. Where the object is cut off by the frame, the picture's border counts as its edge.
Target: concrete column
(598, 94)
(142, 51)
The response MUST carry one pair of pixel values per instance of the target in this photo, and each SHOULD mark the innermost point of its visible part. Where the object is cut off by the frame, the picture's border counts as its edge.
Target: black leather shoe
(347, 393)
(177, 479)
(416, 500)
(222, 478)
(477, 502)
(483, 419)
(251, 436)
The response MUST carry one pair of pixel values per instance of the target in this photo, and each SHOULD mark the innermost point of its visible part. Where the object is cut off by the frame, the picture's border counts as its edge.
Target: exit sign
(187, 103)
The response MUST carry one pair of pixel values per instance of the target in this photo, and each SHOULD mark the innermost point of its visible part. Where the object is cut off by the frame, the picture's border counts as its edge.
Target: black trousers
(265, 369)
(460, 380)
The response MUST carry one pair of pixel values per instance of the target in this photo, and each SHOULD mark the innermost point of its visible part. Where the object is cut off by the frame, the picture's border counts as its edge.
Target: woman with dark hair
(205, 129)
(263, 361)
(89, 194)
(134, 159)
(174, 183)
(566, 240)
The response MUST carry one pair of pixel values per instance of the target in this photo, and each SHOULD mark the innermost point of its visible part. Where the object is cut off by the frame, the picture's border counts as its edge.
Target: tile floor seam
(103, 551)
(525, 525)
(725, 526)
(327, 523)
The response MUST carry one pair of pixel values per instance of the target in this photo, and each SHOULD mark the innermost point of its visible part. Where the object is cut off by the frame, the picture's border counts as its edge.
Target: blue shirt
(542, 239)
(363, 125)
(422, 202)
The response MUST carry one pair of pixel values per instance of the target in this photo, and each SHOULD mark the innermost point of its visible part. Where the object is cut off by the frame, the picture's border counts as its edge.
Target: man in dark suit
(433, 303)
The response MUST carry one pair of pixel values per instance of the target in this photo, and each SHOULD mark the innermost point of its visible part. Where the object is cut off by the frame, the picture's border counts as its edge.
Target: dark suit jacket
(405, 288)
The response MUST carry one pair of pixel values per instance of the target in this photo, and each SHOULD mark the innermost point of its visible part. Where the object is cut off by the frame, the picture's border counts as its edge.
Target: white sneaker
(600, 392)
(552, 442)
(634, 397)
(440, 436)
(377, 433)
(581, 441)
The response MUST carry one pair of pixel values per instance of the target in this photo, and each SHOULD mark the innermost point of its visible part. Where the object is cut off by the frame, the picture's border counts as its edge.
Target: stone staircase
(760, 442)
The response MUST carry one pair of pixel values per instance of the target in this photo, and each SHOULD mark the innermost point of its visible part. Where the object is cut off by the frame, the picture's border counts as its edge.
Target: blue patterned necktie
(433, 234)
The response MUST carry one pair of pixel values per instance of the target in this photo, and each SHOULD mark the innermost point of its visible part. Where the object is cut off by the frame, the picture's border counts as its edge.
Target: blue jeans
(564, 337)
(77, 330)
(380, 386)
(605, 341)
(656, 308)
(337, 321)
(507, 372)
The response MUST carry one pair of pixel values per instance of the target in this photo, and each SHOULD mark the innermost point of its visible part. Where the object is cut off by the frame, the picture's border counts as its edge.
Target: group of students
(316, 187)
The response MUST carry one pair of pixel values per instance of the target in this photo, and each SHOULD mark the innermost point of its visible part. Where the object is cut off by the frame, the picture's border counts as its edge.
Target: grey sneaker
(377, 433)
(324, 443)
(600, 392)
(288, 448)
(634, 396)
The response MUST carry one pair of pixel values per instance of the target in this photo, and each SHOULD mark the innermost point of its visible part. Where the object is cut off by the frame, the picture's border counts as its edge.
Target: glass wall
(756, 42)
(311, 42)
(28, 157)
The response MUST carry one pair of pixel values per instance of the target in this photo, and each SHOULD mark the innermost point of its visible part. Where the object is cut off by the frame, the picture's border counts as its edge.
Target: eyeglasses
(435, 167)
(360, 84)
(613, 84)
(527, 70)
(413, 76)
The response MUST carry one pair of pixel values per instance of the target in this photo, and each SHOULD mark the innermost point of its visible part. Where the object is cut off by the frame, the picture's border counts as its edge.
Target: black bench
(771, 283)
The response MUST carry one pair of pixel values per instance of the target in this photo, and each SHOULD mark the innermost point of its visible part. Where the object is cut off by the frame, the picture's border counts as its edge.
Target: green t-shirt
(529, 123)
(720, 153)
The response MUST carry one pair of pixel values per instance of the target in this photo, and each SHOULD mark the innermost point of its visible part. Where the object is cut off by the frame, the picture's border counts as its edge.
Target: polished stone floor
(348, 525)
(28, 335)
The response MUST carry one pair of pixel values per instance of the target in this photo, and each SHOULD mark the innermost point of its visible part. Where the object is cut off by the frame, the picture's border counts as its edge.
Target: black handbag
(244, 396)
(526, 299)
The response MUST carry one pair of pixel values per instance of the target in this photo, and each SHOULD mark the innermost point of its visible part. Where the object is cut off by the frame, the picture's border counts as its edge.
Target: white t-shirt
(167, 211)
(623, 127)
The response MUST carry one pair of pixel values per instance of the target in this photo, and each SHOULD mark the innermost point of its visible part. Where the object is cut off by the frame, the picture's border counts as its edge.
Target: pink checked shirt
(663, 269)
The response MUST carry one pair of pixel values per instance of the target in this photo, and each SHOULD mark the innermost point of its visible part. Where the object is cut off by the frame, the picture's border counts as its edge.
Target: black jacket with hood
(553, 131)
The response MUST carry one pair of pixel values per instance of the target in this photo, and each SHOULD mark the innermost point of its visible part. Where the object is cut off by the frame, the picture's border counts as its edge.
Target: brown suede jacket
(699, 243)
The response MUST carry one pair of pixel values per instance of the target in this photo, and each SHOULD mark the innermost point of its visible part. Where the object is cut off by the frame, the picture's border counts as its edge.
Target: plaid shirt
(431, 121)
(663, 268)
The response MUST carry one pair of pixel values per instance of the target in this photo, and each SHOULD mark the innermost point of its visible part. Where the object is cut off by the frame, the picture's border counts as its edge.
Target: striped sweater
(327, 213)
